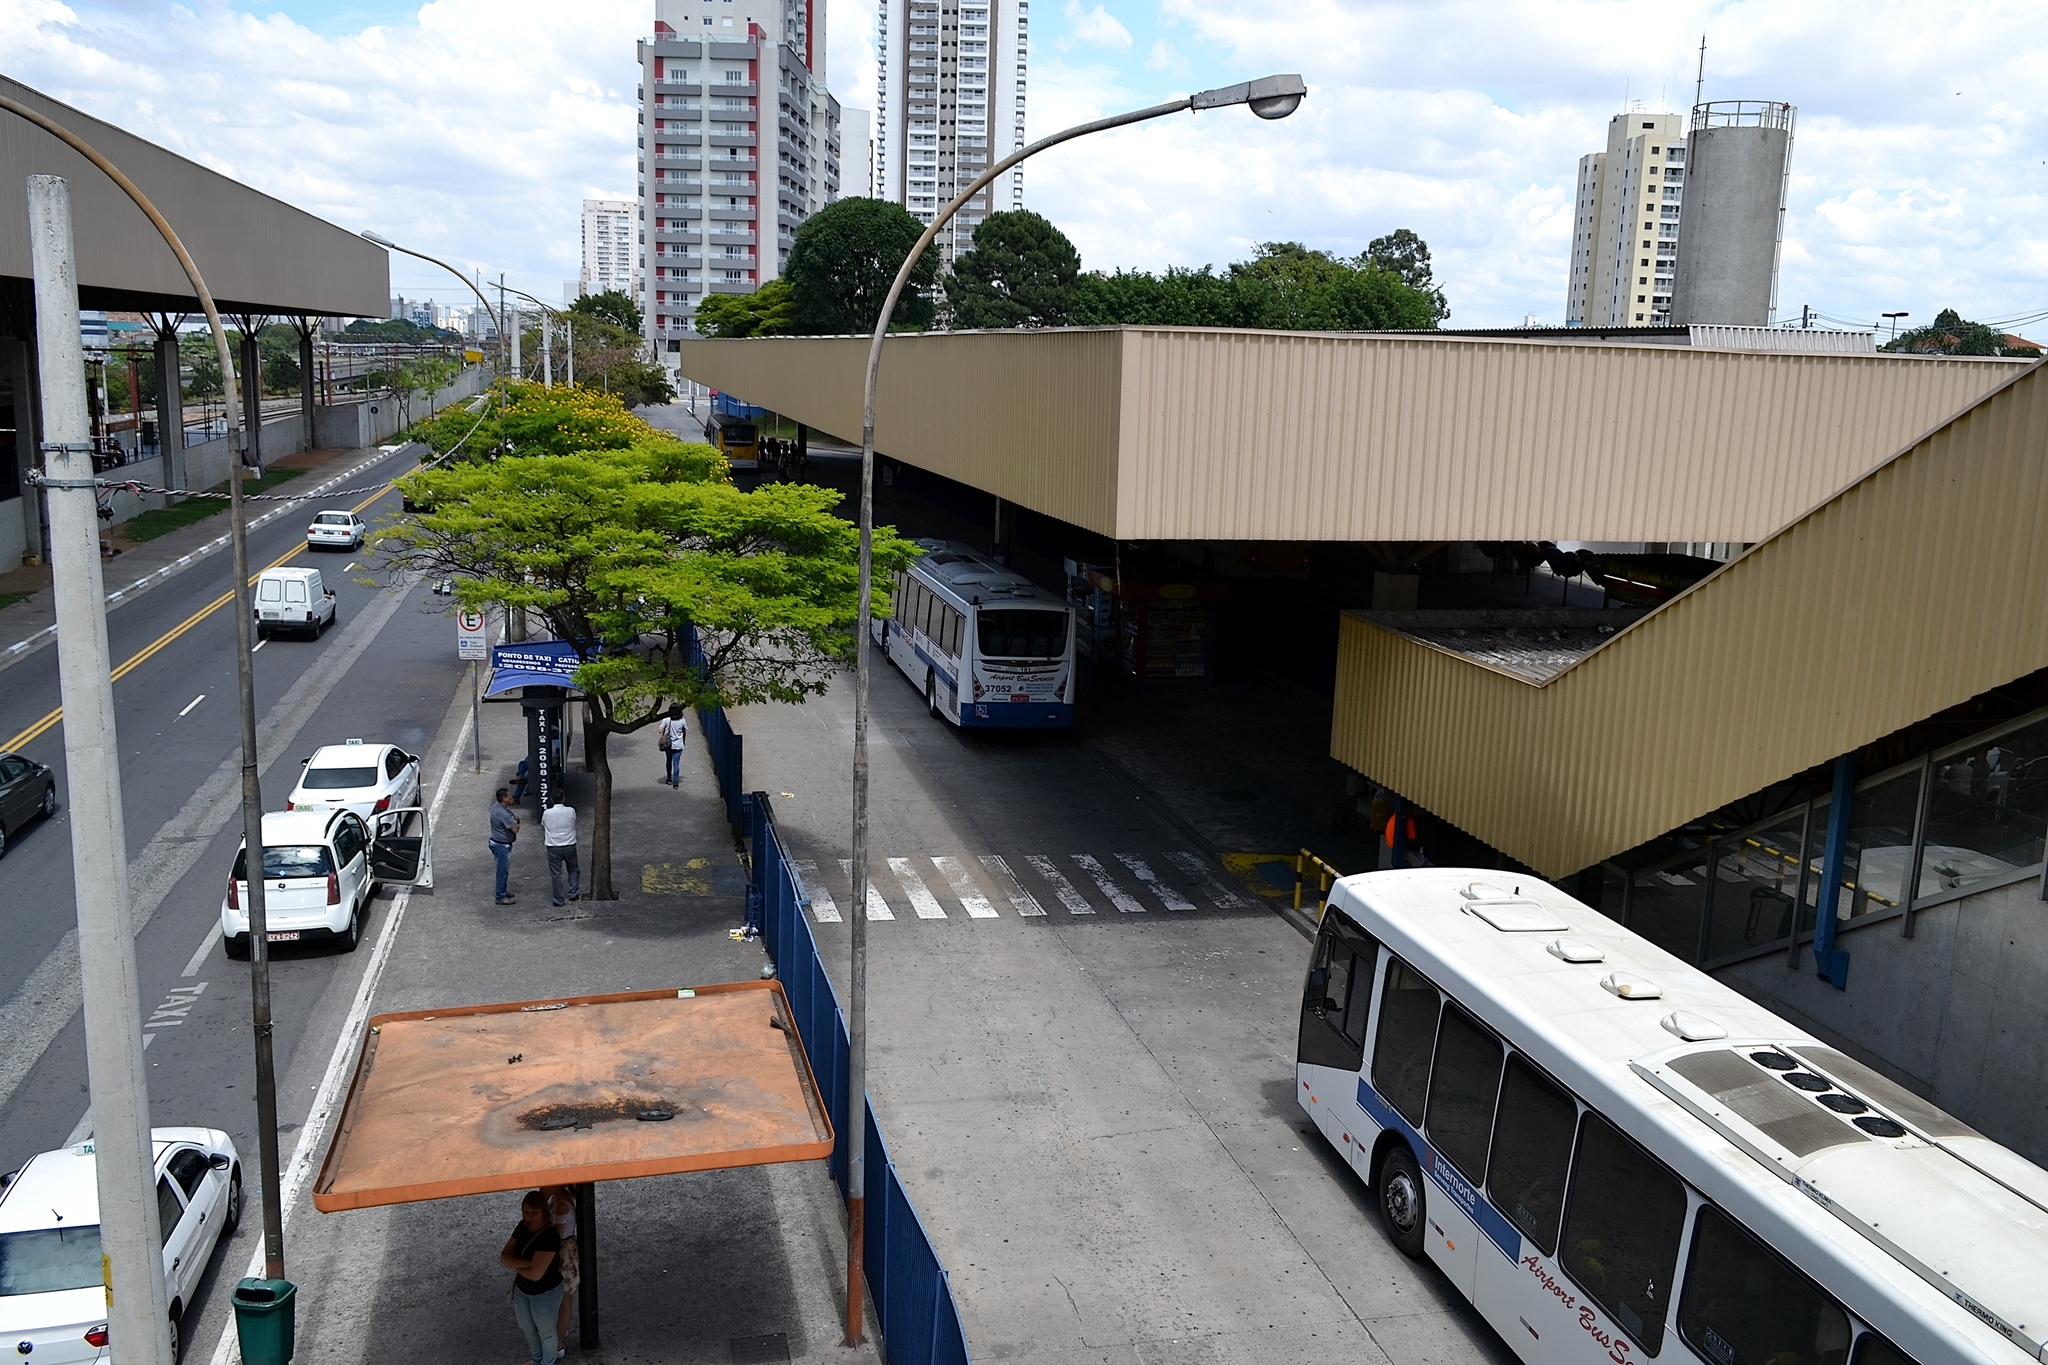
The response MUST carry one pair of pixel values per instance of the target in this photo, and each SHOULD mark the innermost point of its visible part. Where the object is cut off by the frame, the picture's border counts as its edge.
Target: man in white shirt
(558, 834)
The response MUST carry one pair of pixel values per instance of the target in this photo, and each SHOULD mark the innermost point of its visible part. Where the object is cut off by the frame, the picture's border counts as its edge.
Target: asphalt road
(385, 671)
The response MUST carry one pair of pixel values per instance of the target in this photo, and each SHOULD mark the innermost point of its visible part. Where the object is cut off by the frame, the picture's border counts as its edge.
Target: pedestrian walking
(675, 731)
(558, 835)
(504, 830)
(562, 1210)
(531, 1253)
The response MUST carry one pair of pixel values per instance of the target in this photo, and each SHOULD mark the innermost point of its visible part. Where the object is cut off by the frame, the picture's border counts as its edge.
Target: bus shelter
(489, 1098)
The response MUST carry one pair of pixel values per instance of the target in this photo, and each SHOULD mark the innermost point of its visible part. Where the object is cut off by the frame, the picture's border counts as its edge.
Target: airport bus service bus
(990, 648)
(1616, 1158)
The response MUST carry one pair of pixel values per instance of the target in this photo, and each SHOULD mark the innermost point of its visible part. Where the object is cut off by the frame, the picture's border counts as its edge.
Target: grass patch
(8, 599)
(164, 520)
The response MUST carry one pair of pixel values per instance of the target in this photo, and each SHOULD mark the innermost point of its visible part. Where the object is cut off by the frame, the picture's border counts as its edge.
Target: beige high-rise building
(1625, 224)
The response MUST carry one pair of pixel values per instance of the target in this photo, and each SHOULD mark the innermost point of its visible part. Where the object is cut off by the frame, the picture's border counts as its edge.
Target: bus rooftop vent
(1630, 987)
(1576, 950)
(1694, 1028)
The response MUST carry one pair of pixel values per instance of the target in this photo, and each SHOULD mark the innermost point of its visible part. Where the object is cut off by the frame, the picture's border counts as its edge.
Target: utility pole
(547, 354)
(569, 349)
(1699, 87)
(124, 1165)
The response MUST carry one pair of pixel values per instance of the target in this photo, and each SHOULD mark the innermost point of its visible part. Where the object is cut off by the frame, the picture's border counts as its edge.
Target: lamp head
(374, 237)
(1270, 97)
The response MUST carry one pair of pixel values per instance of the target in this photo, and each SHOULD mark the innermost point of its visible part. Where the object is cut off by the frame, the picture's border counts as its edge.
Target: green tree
(1407, 256)
(613, 305)
(1953, 334)
(625, 552)
(402, 330)
(1019, 273)
(1284, 285)
(846, 256)
(769, 311)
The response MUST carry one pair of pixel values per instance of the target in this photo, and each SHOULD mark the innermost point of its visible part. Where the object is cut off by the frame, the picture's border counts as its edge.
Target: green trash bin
(264, 1314)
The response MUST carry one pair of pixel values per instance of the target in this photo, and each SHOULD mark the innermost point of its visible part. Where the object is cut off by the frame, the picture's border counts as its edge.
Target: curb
(21, 649)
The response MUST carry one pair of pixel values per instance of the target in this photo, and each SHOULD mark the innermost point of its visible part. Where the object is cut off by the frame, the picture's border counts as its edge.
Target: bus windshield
(1013, 633)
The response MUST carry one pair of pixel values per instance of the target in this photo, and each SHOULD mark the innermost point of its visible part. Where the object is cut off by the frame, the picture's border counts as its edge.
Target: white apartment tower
(610, 253)
(721, 83)
(1625, 225)
(949, 97)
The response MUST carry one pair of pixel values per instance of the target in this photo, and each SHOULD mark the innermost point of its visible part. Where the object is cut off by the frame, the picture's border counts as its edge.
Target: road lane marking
(877, 907)
(1193, 865)
(144, 654)
(205, 947)
(259, 644)
(190, 704)
(1142, 870)
(327, 1098)
(921, 899)
(1097, 873)
(1022, 901)
(1076, 903)
(824, 909)
(971, 899)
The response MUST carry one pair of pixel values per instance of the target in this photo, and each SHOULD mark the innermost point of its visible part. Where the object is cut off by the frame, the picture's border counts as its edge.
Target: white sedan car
(317, 881)
(53, 1298)
(337, 528)
(368, 779)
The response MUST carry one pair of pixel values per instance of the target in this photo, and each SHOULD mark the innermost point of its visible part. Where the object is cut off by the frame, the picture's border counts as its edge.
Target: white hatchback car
(337, 528)
(53, 1305)
(368, 779)
(320, 869)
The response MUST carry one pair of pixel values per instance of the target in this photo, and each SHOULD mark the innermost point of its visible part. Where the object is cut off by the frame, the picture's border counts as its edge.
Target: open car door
(401, 853)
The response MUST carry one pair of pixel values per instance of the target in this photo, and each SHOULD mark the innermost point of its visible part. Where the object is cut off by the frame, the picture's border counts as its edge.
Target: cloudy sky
(475, 127)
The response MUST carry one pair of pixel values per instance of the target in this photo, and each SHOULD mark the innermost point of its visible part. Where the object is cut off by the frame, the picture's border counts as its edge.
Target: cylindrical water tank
(1738, 164)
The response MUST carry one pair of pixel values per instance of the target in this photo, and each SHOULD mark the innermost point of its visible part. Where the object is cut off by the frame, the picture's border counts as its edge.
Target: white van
(292, 599)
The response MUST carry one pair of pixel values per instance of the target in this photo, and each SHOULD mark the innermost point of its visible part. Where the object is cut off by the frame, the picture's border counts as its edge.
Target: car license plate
(284, 936)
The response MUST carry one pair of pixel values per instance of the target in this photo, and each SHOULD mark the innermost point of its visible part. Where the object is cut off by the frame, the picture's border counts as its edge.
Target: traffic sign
(472, 640)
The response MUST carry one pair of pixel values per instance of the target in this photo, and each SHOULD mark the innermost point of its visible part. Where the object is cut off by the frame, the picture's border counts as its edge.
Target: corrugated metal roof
(1212, 434)
(1917, 587)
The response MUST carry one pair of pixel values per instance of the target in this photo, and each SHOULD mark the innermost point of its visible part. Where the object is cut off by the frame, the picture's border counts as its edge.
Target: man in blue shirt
(504, 829)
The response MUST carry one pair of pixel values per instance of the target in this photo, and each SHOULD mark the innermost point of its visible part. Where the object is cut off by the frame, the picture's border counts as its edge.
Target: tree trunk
(596, 735)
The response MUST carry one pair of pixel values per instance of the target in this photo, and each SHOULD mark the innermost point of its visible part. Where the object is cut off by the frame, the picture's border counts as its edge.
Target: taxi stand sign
(472, 637)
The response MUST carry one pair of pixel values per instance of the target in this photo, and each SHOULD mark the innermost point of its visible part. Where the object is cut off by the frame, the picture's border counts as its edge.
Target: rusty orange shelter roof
(484, 1098)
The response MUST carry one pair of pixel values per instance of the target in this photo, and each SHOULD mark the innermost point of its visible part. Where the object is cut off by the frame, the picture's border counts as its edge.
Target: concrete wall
(1728, 248)
(1958, 1012)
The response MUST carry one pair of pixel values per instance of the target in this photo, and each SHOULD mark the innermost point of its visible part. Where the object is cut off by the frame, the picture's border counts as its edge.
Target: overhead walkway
(1149, 433)
(1918, 587)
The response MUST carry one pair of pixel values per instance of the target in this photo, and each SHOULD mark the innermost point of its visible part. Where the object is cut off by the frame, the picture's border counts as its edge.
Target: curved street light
(1269, 97)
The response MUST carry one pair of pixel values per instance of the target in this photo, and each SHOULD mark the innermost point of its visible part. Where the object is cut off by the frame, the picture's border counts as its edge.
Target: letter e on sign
(471, 639)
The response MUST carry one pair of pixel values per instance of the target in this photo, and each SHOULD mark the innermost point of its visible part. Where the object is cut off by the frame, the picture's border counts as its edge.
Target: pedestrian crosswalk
(998, 886)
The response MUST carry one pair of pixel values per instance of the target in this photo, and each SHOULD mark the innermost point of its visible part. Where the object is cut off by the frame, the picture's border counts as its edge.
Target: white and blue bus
(989, 647)
(1616, 1158)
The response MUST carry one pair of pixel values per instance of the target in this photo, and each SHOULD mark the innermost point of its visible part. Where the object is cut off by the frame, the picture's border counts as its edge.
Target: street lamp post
(496, 320)
(1270, 97)
(1893, 319)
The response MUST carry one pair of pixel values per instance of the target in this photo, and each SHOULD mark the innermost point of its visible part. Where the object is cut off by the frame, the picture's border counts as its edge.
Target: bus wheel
(931, 694)
(1401, 1200)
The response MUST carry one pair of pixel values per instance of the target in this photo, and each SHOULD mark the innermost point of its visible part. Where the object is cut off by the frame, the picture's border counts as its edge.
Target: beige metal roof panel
(1214, 434)
(1917, 587)
(255, 252)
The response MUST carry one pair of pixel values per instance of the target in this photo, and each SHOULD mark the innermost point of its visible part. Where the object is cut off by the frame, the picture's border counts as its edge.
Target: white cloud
(1097, 27)
(1165, 57)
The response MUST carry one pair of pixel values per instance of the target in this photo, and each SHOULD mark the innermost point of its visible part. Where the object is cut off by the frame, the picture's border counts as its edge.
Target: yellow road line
(142, 655)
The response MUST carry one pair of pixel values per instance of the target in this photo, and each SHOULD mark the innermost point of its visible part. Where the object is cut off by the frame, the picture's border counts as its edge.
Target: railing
(1326, 875)
(727, 748)
(911, 1292)
(1742, 114)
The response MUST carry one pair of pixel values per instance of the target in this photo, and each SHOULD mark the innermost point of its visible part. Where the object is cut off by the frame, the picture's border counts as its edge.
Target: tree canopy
(1285, 285)
(610, 357)
(843, 261)
(627, 541)
(1019, 273)
(1407, 256)
(769, 311)
(1952, 334)
(613, 305)
(402, 330)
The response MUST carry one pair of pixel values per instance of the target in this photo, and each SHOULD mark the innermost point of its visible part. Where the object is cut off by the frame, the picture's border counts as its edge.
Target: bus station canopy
(487, 1098)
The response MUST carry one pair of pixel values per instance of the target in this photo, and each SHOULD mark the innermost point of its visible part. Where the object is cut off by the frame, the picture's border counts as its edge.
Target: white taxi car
(337, 528)
(316, 881)
(53, 1297)
(368, 779)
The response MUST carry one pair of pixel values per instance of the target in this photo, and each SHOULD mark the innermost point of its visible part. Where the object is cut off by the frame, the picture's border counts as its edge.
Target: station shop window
(1987, 811)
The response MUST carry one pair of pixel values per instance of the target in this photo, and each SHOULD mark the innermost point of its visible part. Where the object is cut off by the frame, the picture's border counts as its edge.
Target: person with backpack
(673, 734)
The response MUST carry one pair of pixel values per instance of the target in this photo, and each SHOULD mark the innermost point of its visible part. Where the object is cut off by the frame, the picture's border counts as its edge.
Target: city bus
(1616, 1158)
(739, 441)
(989, 647)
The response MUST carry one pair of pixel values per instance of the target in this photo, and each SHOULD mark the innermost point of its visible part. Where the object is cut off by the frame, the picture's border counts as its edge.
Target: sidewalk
(29, 625)
(725, 1266)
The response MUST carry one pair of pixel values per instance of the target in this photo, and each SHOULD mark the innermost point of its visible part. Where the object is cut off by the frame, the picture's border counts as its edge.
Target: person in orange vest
(1410, 839)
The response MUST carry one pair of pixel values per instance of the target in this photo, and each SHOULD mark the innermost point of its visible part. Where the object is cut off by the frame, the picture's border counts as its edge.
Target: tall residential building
(1625, 224)
(610, 253)
(949, 96)
(857, 162)
(718, 87)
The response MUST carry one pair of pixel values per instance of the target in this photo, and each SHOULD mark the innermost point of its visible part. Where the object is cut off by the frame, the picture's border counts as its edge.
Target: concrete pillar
(170, 399)
(251, 362)
(306, 326)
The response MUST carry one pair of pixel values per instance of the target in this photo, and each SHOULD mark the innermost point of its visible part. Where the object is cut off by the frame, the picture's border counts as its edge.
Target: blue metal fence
(727, 747)
(911, 1292)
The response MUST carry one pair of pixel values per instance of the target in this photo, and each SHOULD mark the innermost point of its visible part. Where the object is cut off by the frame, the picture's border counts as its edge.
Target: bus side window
(1407, 1036)
(1743, 1301)
(1338, 994)
(1872, 1349)
(1532, 1148)
(928, 614)
(955, 629)
(1464, 1084)
(1621, 1230)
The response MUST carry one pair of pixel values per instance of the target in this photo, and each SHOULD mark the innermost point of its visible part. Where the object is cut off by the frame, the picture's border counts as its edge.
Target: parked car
(28, 791)
(53, 1305)
(368, 779)
(337, 528)
(292, 599)
(320, 869)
